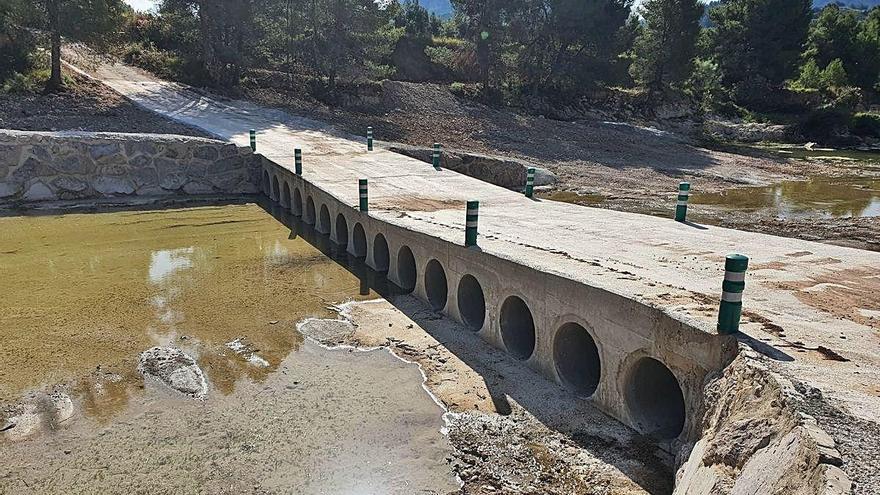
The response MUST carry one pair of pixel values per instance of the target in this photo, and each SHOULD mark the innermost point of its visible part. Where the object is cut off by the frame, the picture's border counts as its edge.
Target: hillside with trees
(758, 60)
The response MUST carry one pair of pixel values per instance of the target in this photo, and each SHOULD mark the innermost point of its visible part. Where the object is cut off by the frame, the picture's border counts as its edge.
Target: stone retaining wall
(45, 166)
(505, 172)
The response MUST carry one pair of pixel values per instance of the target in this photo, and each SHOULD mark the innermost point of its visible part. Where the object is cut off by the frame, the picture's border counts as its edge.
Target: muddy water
(817, 197)
(83, 295)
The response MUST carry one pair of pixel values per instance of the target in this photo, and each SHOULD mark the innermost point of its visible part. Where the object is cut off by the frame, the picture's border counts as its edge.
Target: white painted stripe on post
(682, 203)
(732, 297)
(471, 223)
(735, 276)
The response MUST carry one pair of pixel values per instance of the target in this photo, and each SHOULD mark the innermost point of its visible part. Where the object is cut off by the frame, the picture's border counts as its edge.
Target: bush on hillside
(866, 124)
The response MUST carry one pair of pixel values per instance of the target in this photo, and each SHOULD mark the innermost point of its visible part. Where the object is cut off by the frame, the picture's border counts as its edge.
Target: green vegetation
(767, 60)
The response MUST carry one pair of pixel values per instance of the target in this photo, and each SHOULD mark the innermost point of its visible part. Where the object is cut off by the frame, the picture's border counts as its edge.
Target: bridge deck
(800, 295)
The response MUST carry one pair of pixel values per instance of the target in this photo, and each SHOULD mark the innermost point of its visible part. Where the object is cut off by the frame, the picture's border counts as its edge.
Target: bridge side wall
(623, 330)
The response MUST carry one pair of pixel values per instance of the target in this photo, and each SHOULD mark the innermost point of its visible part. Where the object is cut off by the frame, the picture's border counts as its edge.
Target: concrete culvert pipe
(341, 230)
(297, 205)
(324, 220)
(267, 184)
(285, 195)
(655, 400)
(577, 359)
(310, 211)
(359, 241)
(471, 302)
(276, 194)
(380, 253)
(406, 269)
(517, 328)
(435, 285)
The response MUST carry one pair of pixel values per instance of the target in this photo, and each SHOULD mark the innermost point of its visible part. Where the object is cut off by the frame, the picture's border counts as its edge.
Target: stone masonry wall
(45, 166)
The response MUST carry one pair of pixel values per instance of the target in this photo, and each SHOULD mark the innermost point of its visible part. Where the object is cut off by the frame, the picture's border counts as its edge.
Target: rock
(39, 192)
(70, 184)
(144, 177)
(102, 152)
(175, 369)
(110, 186)
(30, 169)
(141, 147)
(836, 481)
(8, 189)
(173, 182)
(71, 164)
(209, 153)
(197, 188)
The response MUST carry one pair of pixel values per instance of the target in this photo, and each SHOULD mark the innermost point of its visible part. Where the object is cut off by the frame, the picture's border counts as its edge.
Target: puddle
(818, 197)
(85, 294)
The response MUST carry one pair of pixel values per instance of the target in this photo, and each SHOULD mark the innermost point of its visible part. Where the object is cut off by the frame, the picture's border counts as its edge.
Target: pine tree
(758, 44)
(664, 48)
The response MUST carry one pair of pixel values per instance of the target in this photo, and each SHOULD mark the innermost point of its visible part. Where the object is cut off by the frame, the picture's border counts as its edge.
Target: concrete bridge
(618, 307)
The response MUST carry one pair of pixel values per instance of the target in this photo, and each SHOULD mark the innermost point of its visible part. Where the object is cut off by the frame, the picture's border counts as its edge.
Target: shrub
(825, 123)
(866, 124)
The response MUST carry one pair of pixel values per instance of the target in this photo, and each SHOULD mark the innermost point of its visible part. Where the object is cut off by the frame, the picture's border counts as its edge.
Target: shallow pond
(84, 294)
(819, 196)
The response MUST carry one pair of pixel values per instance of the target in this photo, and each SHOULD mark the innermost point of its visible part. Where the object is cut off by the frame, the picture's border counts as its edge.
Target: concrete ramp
(619, 307)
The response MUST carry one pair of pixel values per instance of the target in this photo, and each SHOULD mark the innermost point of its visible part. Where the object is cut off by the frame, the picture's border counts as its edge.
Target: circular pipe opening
(267, 184)
(380, 253)
(310, 211)
(341, 230)
(655, 400)
(471, 302)
(435, 285)
(285, 195)
(296, 207)
(359, 244)
(577, 359)
(276, 195)
(324, 224)
(517, 328)
(406, 269)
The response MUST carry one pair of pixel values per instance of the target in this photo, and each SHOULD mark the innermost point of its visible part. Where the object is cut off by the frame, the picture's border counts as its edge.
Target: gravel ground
(857, 440)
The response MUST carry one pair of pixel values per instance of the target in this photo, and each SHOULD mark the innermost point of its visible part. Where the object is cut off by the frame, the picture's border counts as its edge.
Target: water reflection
(90, 292)
(166, 262)
(817, 197)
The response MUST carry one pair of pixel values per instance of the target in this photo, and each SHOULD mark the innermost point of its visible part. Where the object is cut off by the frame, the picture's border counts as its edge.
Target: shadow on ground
(637, 457)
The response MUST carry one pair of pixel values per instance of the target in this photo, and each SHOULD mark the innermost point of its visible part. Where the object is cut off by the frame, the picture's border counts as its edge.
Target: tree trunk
(55, 82)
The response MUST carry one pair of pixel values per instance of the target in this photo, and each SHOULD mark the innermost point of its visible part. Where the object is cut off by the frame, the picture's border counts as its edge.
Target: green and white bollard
(253, 140)
(369, 139)
(681, 208)
(435, 156)
(732, 292)
(530, 182)
(362, 187)
(298, 161)
(470, 230)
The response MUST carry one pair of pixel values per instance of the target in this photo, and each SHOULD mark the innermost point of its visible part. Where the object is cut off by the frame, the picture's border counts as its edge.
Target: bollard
(253, 140)
(298, 161)
(363, 195)
(681, 208)
(470, 231)
(732, 291)
(369, 139)
(530, 182)
(435, 156)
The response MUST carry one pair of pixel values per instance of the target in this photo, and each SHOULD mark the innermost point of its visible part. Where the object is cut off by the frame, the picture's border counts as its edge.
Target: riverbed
(85, 294)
